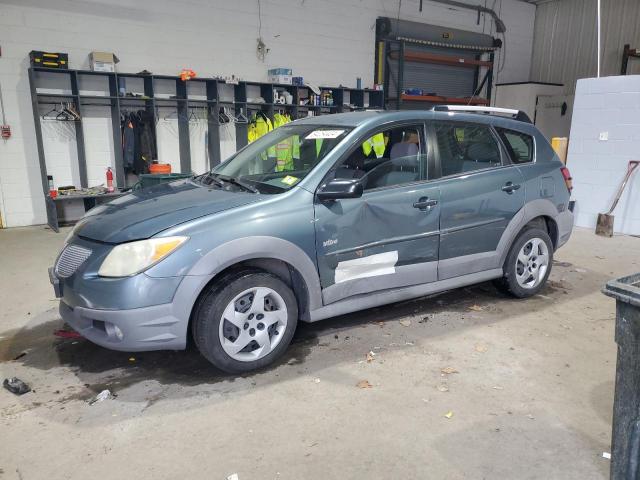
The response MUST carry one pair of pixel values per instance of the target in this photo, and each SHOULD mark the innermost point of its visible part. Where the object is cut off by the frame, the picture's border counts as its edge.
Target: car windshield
(278, 160)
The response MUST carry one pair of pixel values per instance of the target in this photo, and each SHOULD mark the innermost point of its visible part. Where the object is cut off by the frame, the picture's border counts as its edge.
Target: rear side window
(519, 145)
(465, 148)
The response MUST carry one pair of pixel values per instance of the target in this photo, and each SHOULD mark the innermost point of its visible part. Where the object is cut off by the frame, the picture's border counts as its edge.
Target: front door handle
(425, 204)
(510, 187)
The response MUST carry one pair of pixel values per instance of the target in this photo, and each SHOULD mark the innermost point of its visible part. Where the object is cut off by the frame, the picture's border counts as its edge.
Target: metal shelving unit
(39, 77)
(443, 66)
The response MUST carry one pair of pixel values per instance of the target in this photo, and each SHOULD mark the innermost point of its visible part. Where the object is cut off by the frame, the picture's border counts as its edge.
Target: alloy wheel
(253, 324)
(532, 263)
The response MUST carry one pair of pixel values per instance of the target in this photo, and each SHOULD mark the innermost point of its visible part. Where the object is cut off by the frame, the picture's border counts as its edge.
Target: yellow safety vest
(260, 125)
(377, 143)
(284, 148)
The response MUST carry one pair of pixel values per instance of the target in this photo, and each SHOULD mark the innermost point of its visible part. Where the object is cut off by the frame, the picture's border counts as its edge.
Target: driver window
(390, 157)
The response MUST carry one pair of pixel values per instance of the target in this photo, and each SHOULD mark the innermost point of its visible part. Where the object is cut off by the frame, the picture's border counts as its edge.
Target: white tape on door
(370, 266)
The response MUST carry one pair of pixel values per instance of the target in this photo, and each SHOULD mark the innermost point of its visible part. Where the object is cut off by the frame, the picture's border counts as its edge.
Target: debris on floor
(233, 476)
(562, 264)
(481, 348)
(66, 334)
(606, 455)
(476, 308)
(443, 387)
(316, 380)
(448, 370)
(364, 384)
(16, 386)
(405, 323)
(371, 356)
(449, 414)
(19, 356)
(102, 396)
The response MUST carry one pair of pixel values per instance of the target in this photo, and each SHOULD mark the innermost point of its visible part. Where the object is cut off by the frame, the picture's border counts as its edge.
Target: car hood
(144, 213)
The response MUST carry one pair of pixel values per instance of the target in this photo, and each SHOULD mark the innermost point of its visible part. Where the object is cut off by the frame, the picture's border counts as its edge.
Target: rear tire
(528, 264)
(245, 321)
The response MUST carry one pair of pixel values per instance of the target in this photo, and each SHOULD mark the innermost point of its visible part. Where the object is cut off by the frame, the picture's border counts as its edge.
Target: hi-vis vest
(258, 126)
(377, 143)
(285, 148)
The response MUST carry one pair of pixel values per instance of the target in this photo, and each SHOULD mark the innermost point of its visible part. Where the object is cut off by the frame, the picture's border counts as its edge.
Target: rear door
(388, 238)
(480, 192)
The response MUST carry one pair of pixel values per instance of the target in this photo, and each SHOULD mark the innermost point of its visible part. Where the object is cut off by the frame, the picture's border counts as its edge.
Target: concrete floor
(531, 395)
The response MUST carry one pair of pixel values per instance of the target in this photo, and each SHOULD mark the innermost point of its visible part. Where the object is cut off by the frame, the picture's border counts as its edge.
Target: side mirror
(340, 188)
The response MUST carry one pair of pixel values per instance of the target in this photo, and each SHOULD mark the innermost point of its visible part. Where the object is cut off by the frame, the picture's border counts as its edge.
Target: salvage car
(320, 217)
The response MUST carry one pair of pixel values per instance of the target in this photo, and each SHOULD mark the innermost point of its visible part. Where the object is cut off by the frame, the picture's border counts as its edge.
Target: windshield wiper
(210, 176)
(239, 183)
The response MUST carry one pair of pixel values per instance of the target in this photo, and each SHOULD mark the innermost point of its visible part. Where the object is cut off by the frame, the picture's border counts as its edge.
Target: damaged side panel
(377, 242)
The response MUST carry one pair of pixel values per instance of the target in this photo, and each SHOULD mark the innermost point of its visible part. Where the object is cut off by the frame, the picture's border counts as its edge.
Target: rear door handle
(510, 187)
(424, 203)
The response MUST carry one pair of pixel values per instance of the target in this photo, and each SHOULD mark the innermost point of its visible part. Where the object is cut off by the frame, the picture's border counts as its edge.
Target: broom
(604, 226)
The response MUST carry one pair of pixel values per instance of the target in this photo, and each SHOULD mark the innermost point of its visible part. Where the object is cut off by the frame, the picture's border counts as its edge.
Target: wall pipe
(500, 26)
(598, 38)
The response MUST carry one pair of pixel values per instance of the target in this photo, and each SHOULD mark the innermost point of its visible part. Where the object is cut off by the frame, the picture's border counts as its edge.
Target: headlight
(131, 258)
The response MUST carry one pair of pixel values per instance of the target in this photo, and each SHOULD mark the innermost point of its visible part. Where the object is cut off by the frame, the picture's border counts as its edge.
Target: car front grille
(70, 260)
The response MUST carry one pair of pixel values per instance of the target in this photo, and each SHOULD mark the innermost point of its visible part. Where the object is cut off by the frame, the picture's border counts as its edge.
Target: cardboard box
(282, 79)
(103, 61)
(280, 71)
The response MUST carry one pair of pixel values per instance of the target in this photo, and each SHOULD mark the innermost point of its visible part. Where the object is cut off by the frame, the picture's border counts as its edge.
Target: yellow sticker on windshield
(290, 180)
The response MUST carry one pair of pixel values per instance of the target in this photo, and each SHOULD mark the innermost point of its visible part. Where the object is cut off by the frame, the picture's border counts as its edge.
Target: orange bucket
(160, 168)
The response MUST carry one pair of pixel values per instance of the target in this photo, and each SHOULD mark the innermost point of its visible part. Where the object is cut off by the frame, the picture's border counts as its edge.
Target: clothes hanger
(241, 117)
(47, 116)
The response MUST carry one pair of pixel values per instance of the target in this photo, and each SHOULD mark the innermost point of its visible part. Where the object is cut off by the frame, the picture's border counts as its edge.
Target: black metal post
(82, 158)
(117, 132)
(184, 142)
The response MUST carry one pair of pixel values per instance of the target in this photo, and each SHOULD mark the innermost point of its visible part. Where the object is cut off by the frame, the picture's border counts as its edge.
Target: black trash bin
(625, 439)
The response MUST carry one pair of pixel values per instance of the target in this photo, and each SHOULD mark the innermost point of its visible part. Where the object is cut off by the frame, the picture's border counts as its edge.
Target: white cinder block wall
(608, 106)
(329, 42)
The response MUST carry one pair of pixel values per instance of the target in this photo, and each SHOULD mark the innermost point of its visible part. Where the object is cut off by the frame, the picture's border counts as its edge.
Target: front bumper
(132, 314)
(135, 330)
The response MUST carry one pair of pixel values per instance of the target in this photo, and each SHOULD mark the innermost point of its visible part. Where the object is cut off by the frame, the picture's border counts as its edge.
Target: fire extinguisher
(109, 180)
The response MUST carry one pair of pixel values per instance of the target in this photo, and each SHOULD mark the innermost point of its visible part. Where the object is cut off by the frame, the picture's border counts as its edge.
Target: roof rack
(516, 114)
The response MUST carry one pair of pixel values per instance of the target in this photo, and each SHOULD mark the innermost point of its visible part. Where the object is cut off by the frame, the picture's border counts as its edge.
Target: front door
(388, 238)
(480, 193)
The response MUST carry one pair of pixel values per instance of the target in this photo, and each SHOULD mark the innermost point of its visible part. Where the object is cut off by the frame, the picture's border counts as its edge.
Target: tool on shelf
(604, 227)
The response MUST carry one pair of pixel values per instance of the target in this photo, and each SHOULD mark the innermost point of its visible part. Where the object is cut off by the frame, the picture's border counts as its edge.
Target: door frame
(334, 293)
(379, 129)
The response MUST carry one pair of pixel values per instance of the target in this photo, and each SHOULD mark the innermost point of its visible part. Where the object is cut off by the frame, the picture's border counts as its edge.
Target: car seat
(481, 155)
(403, 167)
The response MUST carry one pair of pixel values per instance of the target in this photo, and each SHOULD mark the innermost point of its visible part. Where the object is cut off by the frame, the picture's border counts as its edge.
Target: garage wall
(328, 42)
(565, 39)
(605, 134)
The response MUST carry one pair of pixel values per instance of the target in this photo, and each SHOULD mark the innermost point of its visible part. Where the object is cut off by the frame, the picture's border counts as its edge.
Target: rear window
(519, 145)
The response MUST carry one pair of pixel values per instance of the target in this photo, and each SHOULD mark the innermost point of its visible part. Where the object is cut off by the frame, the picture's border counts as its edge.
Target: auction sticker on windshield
(316, 134)
(289, 180)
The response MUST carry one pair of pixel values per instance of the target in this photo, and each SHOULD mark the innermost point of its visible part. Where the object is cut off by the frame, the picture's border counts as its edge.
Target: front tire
(245, 321)
(528, 264)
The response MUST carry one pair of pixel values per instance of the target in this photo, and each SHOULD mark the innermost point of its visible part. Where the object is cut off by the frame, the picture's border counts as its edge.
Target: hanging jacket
(260, 125)
(284, 148)
(148, 150)
(128, 142)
